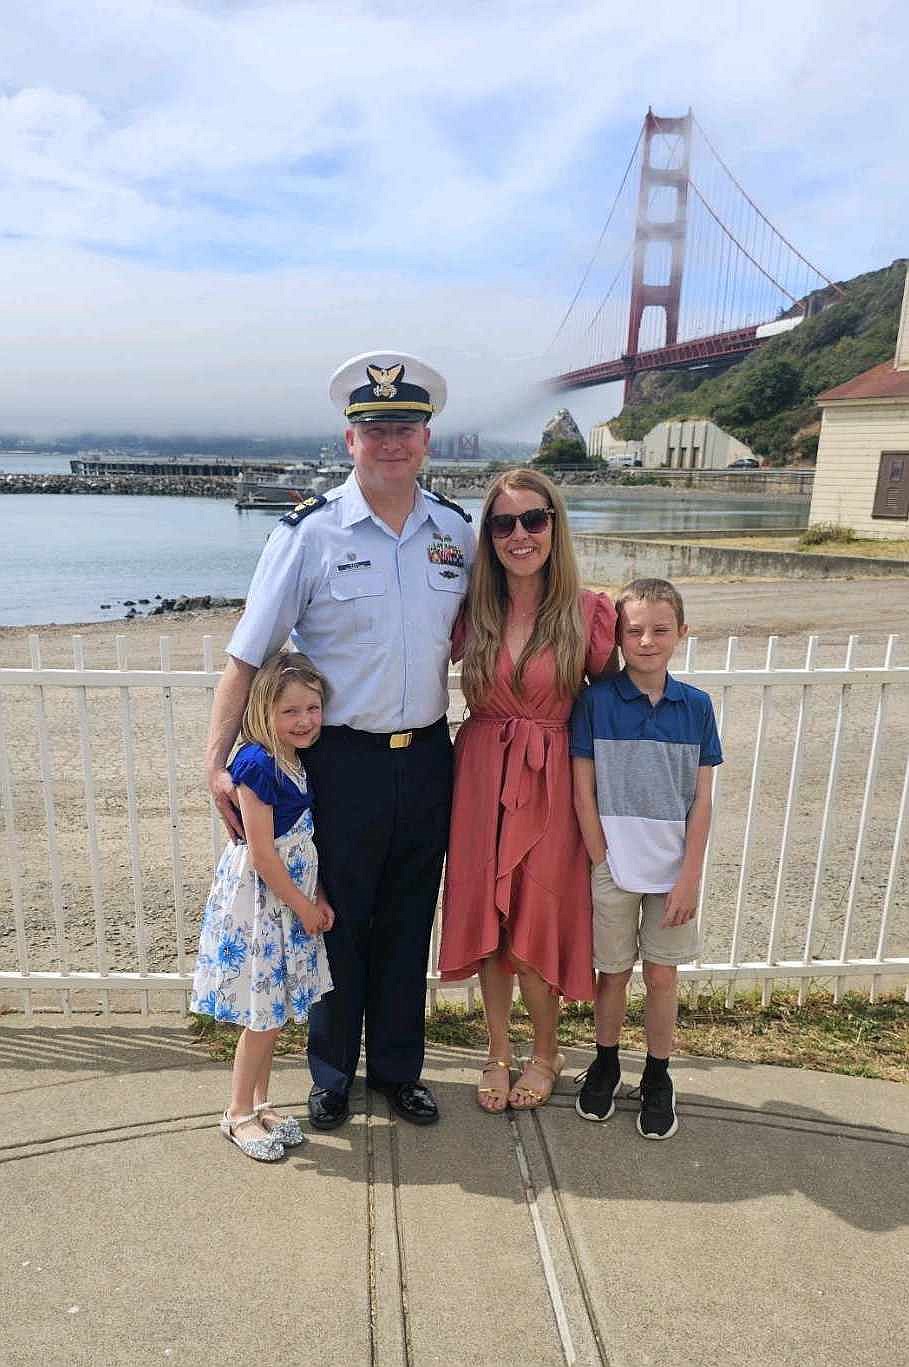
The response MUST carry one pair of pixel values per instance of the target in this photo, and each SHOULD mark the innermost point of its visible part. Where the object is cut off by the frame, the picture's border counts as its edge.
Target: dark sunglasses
(534, 520)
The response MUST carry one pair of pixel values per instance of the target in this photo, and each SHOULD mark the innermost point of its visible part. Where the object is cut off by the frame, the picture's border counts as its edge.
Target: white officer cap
(387, 386)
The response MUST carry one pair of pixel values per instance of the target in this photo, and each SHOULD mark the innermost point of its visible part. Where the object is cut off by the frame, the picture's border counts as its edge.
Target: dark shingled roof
(880, 382)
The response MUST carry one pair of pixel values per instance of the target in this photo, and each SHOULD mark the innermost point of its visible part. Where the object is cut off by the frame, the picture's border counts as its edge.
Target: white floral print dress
(257, 966)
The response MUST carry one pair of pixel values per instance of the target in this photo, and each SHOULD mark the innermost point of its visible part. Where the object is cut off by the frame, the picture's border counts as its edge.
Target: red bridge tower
(674, 176)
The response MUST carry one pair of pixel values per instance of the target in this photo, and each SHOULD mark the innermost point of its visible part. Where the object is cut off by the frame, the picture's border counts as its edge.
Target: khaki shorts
(626, 927)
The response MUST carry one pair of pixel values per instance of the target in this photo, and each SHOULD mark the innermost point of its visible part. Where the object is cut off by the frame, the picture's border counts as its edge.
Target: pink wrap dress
(517, 874)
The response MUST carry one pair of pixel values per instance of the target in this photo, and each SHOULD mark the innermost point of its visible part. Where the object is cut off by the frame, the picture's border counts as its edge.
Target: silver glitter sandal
(287, 1131)
(262, 1150)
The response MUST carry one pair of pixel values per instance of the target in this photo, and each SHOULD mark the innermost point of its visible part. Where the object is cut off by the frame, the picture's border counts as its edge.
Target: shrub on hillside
(766, 387)
(807, 445)
(563, 451)
(772, 437)
(843, 320)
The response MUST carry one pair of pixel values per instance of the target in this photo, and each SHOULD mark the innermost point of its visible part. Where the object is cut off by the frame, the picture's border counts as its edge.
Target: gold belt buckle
(399, 740)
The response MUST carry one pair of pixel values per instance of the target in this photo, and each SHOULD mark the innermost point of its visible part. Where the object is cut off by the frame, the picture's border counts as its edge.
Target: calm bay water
(66, 554)
(36, 463)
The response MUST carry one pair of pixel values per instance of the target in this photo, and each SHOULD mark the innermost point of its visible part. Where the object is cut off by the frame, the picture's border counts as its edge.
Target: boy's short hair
(652, 591)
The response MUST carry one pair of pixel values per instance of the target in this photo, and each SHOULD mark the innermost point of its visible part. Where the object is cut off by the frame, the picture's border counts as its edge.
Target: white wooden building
(862, 478)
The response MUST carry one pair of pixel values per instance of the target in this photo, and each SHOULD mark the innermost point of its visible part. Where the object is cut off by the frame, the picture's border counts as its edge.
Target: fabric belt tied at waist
(527, 743)
(390, 740)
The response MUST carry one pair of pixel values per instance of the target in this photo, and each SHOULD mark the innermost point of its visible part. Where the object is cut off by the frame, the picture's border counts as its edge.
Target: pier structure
(179, 465)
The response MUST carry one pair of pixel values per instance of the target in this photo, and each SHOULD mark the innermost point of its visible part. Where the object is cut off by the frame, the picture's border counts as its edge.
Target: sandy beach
(150, 895)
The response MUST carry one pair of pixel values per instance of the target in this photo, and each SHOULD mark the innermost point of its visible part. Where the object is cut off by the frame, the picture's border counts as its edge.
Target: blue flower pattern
(257, 966)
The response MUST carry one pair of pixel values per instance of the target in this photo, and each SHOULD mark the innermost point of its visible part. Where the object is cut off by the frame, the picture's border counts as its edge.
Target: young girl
(262, 958)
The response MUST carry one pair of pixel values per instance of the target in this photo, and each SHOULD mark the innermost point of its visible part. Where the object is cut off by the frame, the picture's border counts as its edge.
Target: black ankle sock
(609, 1055)
(653, 1067)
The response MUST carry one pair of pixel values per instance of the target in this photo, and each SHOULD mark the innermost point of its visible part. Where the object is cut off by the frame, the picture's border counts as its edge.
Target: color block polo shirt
(646, 760)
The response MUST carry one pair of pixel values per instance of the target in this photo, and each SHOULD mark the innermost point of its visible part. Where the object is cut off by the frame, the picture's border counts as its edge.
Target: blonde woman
(517, 892)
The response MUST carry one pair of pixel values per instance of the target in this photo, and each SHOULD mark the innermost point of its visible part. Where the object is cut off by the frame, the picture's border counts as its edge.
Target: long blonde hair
(558, 626)
(269, 682)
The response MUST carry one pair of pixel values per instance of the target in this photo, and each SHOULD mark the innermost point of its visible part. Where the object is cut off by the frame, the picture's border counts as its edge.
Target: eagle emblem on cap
(384, 380)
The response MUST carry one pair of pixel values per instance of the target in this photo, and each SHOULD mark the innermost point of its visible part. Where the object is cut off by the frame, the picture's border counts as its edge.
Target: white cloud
(207, 205)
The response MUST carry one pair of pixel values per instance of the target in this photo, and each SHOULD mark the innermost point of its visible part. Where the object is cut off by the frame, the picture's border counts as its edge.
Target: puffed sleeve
(600, 619)
(459, 634)
(252, 767)
(276, 598)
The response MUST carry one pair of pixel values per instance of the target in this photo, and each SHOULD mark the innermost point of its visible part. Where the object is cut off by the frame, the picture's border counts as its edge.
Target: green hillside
(767, 399)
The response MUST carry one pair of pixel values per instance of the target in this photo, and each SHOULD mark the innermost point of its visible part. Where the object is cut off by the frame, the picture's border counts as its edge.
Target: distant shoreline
(225, 486)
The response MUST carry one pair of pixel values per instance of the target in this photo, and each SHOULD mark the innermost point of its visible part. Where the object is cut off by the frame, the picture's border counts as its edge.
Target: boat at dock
(292, 487)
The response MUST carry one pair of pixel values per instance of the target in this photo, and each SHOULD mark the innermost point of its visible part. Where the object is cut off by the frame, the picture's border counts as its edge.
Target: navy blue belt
(390, 740)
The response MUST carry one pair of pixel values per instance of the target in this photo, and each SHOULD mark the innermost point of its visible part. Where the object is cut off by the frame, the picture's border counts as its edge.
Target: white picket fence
(806, 851)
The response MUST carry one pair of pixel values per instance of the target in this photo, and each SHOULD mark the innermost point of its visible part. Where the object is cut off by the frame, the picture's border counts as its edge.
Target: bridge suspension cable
(742, 191)
(708, 268)
(600, 240)
(744, 250)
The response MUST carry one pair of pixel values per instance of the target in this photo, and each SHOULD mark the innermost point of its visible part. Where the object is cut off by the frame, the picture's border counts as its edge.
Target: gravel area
(833, 610)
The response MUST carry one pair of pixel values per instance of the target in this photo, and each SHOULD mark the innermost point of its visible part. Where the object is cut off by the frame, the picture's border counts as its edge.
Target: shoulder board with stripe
(309, 505)
(447, 503)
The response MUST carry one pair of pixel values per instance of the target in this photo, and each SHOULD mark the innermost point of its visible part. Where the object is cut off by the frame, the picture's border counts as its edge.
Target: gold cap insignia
(384, 380)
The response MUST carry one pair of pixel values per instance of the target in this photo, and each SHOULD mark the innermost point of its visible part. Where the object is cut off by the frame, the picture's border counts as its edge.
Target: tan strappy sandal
(495, 1095)
(522, 1096)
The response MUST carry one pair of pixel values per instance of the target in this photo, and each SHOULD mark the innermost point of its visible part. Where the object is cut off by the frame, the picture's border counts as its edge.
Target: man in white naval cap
(367, 581)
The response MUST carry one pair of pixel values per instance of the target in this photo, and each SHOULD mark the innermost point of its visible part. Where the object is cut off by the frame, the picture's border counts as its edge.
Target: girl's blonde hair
(558, 626)
(269, 682)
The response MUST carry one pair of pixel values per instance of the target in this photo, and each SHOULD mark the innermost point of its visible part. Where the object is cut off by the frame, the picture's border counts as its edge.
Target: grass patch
(895, 549)
(852, 1036)
(823, 533)
(220, 1040)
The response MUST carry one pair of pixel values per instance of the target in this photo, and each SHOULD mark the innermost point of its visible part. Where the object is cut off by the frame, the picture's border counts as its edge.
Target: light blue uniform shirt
(373, 611)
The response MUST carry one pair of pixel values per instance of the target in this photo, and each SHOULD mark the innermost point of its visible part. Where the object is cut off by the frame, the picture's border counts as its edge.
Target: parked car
(624, 461)
(744, 463)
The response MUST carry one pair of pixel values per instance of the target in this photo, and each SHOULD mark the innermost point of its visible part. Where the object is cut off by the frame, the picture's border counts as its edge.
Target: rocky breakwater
(598, 480)
(182, 486)
(158, 606)
(197, 604)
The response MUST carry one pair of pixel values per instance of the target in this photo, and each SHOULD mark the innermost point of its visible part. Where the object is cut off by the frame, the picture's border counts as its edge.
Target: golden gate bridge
(687, 272)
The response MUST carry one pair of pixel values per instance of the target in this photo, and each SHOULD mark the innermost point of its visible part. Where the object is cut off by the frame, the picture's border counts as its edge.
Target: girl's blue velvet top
(254, 767)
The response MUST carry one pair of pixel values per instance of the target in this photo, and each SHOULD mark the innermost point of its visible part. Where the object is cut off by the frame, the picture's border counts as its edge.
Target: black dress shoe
(327, 1110)
(412, 1101)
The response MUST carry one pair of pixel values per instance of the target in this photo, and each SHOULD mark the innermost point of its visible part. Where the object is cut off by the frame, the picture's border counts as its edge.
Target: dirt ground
(141, 891)
(715, 608)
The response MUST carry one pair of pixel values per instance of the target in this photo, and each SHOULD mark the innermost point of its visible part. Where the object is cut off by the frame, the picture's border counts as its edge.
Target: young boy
(642, 746)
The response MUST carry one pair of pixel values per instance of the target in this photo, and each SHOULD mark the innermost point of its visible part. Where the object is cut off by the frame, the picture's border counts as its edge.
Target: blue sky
(205, 207)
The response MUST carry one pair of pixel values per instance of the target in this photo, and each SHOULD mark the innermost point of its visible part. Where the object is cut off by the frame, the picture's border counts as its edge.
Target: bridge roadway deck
(698, 351)
(772, 1228)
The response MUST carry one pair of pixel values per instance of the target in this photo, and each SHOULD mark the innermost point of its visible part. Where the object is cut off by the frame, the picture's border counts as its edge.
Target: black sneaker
(657, 1118)
(597, 1099)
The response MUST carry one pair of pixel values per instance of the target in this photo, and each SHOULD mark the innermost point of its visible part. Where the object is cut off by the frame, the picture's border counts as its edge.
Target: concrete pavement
(772, 1228)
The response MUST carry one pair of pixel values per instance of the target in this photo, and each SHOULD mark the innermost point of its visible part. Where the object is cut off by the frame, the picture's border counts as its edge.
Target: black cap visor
(389, 414)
